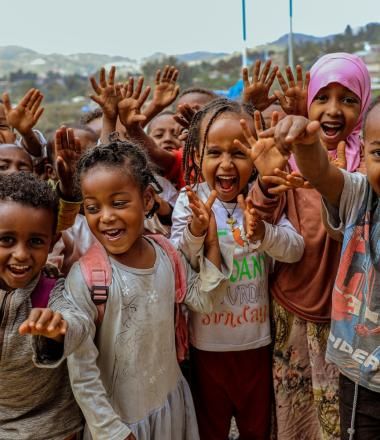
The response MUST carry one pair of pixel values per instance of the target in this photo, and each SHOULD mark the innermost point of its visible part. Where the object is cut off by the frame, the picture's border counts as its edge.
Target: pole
(290, 36)
(244, 50)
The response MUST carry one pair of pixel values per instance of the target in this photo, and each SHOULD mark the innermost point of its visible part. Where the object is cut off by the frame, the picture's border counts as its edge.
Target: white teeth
(332, 125)
(226, 177)
(16, 267)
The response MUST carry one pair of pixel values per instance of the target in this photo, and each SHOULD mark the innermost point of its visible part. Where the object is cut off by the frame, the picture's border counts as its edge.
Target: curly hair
(28, 190)
(373, 104)
(199, 90)
(119, 154)
(194, 143)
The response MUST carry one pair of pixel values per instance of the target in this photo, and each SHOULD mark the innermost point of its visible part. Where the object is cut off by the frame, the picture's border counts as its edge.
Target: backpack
(97, 272)
(41, 293)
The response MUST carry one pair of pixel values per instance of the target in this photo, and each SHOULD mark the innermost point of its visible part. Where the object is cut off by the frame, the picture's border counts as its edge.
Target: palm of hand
(20, 118)
(128, 109)
(109, 101)
(257, 94)
(269, 160)
(296, 101)
(165, 93)
(67, 165)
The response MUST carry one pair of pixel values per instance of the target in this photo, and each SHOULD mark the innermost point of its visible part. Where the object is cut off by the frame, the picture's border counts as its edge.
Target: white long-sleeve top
(240, 320)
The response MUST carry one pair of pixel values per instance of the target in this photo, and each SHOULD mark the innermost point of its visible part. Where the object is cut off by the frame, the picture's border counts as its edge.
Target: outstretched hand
(257, 91)
(202, 212)
(263, 152)
(108, 94)
(44, 322)
(253, 225)
(166, 89)
(283, 181)
(293, 98)
(132, 102)
(26, 114)
(67, 153)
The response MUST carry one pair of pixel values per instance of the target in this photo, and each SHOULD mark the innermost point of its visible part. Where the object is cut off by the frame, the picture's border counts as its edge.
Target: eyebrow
(32, 234)
(125, 193)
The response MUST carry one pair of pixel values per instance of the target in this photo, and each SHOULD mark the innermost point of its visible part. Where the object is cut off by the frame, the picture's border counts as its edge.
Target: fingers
(269, 82)
(43, 321)
(265, 71)
(281, 99)
(247, 133)
(95, 87)
(256, 71)
(258, 122)
(25, 100)
(341, 154)
(299, 76)
(211, 199)
(275, 118)
(290, 76)
(245, 78)
(281, 81)
(102, 78)
(139, 86)
(241, 202)
(143, 97)
(111, 76)
(7, 102)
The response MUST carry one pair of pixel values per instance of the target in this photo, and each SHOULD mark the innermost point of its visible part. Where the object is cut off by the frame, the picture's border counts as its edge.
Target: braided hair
(194, 143)
(119, 154)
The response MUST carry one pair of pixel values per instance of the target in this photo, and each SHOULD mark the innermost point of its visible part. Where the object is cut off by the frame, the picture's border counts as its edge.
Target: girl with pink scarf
(306, 387)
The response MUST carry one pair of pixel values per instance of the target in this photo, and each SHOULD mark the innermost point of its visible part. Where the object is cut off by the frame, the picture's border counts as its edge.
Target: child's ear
(149, 200)
(50, 172)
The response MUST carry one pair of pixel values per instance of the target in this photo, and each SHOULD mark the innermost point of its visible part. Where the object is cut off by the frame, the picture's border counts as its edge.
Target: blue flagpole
(244, 51)
(290, 35)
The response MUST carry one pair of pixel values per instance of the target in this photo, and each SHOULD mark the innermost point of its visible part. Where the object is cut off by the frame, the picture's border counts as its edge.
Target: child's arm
(24, 117)
(257, 91)
(107, 96)
(293, 98)
(131, 117)
(165, 93)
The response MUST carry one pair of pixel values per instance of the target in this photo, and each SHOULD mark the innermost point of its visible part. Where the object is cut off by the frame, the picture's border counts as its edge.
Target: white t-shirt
(240, 321)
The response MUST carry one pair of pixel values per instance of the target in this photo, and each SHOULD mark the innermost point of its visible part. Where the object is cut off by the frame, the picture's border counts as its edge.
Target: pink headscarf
(351, 72)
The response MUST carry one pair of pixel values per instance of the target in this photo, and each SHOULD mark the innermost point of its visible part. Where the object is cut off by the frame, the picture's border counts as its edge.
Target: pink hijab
(351, 72)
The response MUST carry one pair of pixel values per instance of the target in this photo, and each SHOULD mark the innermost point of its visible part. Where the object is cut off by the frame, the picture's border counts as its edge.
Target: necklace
(231, 221)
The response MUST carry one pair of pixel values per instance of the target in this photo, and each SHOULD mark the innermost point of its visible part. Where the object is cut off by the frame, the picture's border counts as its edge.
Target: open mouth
(226, 183)
(113, 234)
(19, 270)
(332, 129)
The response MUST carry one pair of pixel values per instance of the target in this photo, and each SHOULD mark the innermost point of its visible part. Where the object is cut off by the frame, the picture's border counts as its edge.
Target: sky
(139, 28)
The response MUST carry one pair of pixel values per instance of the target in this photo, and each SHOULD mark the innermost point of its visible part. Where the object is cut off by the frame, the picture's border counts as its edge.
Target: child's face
(337, 109)
(225, 168)
(14, 159)
(25, 237)
(164, 130)
(115, 208)
(372, 148)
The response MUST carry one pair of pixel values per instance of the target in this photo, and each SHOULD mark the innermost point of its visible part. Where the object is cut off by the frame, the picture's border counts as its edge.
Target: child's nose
(226, 161)
(21, 253)
(107, 216)
(334, 108)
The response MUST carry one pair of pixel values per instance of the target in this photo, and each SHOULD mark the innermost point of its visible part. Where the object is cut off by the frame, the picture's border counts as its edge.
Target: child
(129, 384)
(352, 203)
(14, 159)
(306, 388)
(35, 403)
(231, 352)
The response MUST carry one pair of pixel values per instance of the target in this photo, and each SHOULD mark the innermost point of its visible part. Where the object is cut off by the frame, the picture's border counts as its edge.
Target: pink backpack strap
(41, 293)
(97, 273)
(181, 329)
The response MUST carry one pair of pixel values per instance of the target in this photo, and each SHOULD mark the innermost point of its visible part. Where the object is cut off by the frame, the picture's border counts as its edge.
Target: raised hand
(257, 91)
(166, 89)
(283, 181)
(293, 98)
(340, 161)
(184, 115)
(263, 152)
(26, 114)
(253, 225)
(108, 94)
(130, 106)
(67, 153)
(44, 322)
(202, 212)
